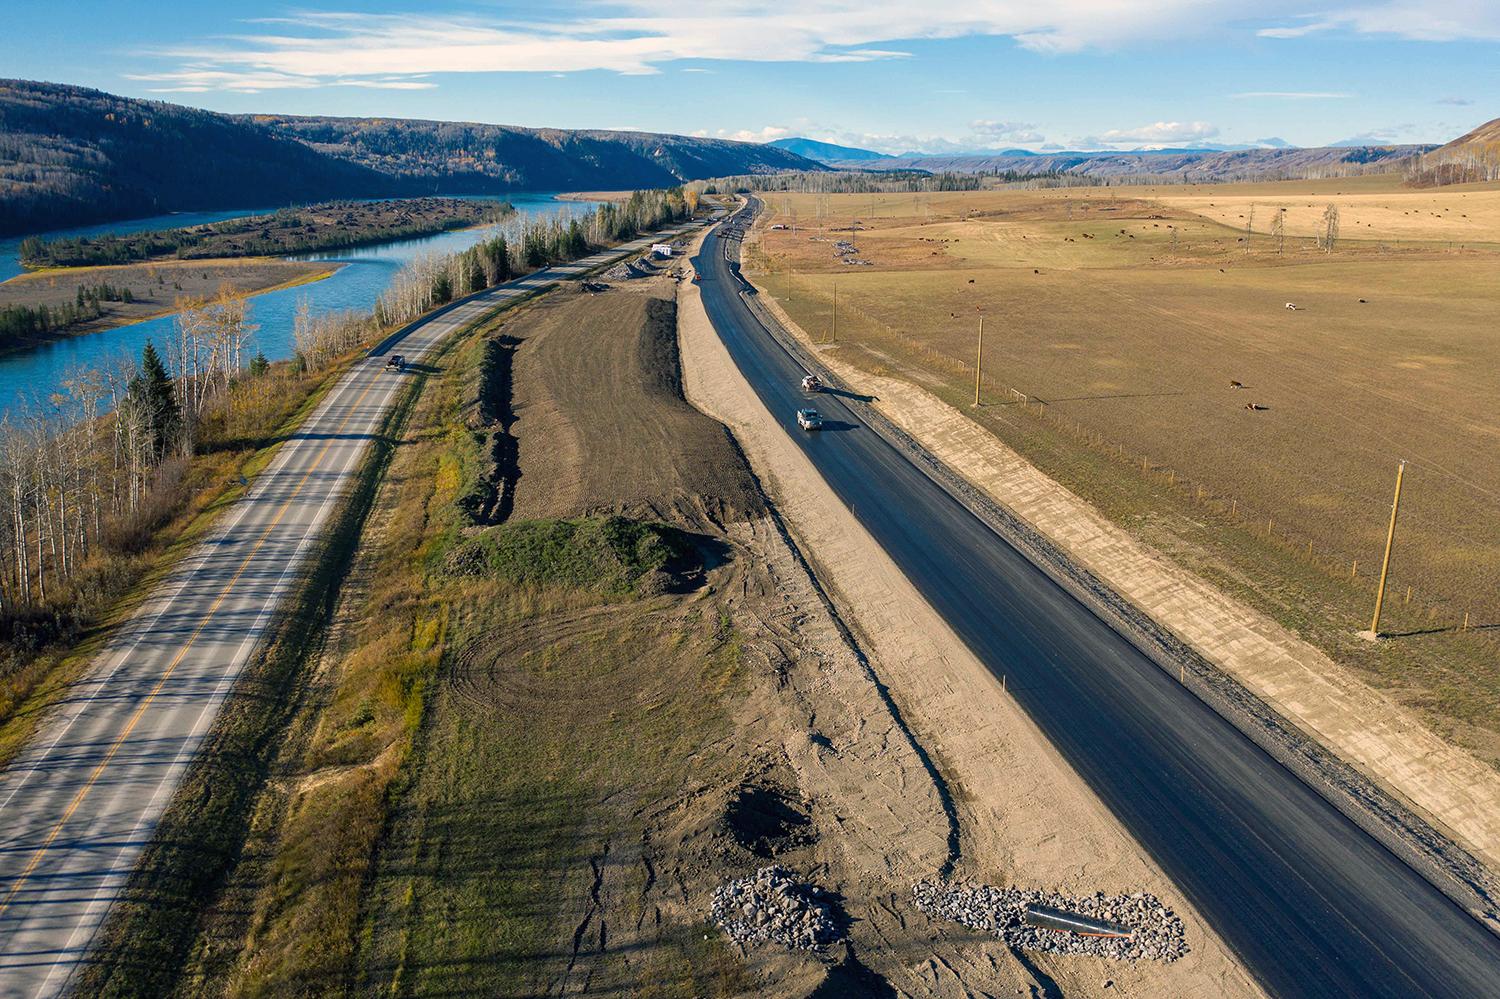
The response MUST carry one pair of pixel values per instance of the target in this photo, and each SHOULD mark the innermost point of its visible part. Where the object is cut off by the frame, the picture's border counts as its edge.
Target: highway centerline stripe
(83, 792)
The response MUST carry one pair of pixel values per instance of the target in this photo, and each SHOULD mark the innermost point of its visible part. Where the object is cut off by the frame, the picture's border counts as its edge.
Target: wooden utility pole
(978, 360)
(1390, 538)
(835, 311)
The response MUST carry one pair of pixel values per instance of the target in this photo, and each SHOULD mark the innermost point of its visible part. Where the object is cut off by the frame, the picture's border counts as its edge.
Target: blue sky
(888, 75)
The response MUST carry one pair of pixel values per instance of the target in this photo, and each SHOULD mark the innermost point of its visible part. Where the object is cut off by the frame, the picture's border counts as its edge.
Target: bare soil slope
(600, 420)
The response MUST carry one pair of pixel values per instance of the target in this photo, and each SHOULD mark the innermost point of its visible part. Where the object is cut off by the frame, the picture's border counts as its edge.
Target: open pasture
(1180, 356)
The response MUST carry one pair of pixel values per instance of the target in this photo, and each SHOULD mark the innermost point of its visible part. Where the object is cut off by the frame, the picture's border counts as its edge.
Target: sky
(890, 75)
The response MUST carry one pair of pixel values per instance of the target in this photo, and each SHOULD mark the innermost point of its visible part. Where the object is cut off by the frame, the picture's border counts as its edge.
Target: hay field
(1132, 342)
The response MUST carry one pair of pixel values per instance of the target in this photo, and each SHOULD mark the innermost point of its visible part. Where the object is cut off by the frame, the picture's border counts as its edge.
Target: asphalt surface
(80, 804)
(1311, 904)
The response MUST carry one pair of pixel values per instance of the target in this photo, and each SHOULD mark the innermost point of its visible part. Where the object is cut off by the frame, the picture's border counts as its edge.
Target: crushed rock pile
(1158, 933)
(629, 270)
(771, 906)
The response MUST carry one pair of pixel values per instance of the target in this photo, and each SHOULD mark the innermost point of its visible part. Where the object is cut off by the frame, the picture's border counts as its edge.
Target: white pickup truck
(809, 419)
(812, 383)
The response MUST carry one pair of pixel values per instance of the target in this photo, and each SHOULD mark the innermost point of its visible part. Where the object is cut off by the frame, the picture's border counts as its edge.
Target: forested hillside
(464, 157)
(1471, 157)
(71, 156)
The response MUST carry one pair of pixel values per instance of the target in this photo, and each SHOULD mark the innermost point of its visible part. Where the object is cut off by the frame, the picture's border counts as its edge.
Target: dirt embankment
(600, 421)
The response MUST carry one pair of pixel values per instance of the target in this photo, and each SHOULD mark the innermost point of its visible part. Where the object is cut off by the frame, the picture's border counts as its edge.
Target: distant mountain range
(825, 152)
(1271, 158)
(71, 156)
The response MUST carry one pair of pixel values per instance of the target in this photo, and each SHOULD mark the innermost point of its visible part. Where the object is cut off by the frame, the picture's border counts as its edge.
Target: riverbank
(143, 291)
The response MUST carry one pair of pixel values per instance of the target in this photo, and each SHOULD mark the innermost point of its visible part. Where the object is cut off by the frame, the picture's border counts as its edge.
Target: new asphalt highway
(1311, 904)
(81, 802)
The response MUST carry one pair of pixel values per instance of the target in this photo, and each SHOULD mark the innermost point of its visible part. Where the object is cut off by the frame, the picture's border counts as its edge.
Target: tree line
(841, 182)
(91, 472)
(524, 245)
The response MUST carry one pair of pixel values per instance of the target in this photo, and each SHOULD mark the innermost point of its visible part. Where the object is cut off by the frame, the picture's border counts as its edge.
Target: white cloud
(639, 37)
(197, 81)
(768, 133)
(1295, 31)
(1005, 131)
(1290, 95)
(1160, 133)
(1413, 20)
(1456, 102)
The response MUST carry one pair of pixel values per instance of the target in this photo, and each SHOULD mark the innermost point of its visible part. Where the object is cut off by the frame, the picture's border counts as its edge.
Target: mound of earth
(600, 423)
(631, 269)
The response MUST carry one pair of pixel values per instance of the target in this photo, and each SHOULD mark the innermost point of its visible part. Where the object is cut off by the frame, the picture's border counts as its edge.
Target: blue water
(366, 272)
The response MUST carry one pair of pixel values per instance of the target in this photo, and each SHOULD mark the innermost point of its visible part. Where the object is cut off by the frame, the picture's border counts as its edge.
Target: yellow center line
(181, 654)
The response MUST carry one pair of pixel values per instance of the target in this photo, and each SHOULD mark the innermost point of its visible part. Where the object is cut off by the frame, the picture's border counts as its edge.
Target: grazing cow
(1234, 384)
(1292, 306)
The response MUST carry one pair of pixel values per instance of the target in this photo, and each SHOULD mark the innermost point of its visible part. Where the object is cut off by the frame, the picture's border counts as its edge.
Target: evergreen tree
(535, 249)
(152, 392)
(259, 365)
(500, 253)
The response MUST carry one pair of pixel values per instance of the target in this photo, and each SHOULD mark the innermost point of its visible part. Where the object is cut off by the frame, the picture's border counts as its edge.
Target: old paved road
(78, 806)
(1311, 904)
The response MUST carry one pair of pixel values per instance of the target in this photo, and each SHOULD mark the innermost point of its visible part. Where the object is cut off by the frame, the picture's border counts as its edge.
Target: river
(35, 374)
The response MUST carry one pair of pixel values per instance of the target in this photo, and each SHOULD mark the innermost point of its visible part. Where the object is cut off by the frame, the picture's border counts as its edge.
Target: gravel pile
(771, 906)
(630, 269)
(1158, 933)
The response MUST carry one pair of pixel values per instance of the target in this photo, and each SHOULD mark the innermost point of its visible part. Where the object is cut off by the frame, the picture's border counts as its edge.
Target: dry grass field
(1127, 317)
